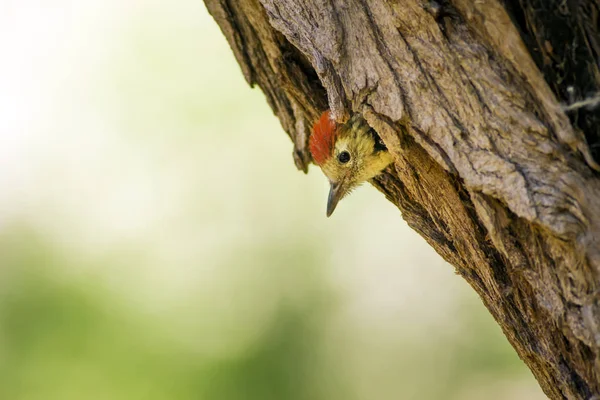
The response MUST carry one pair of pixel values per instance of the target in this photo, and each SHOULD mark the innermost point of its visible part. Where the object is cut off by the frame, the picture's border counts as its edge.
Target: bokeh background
(157, 242)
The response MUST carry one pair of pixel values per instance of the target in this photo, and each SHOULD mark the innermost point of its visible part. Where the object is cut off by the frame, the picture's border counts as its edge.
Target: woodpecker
(348, 154)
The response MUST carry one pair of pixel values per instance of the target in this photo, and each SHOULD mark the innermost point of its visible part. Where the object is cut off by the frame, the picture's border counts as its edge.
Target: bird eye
(344, 157)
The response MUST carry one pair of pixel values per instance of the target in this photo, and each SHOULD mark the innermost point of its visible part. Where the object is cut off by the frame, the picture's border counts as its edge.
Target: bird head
(348, 154)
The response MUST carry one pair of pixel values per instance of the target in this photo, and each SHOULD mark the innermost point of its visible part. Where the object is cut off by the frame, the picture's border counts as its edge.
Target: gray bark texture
(491, 167)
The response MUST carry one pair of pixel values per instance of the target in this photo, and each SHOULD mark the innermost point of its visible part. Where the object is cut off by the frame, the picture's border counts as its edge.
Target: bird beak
(336, 192)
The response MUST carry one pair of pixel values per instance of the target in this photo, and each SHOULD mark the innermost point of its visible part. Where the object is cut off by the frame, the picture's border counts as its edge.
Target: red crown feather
(322, 138)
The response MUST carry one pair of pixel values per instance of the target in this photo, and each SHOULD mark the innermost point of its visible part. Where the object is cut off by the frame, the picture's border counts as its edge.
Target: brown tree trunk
(489, 167)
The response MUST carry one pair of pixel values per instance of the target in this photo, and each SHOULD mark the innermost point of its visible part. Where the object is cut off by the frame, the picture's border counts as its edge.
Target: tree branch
(488, 167)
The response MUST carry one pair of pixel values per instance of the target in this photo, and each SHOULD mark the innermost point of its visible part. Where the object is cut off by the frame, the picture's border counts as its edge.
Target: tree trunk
(489, 167)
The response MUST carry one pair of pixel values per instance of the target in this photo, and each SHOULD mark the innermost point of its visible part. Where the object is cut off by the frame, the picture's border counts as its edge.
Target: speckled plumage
(366, 154)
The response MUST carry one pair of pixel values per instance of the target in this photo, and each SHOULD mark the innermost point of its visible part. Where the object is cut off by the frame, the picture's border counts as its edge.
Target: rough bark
(490, 168)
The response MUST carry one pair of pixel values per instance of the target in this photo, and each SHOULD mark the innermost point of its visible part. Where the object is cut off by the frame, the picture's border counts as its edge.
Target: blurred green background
(157, 242)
